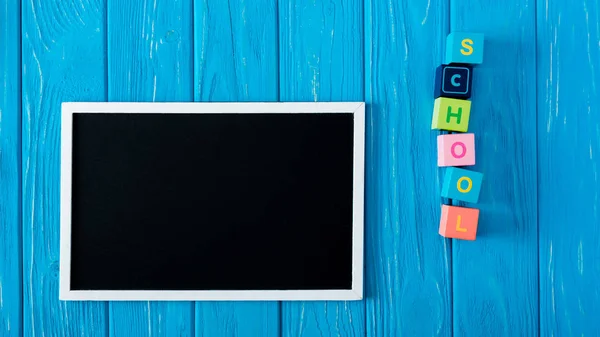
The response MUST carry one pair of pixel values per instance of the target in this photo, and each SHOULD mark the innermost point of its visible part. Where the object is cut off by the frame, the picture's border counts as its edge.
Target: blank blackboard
(212, 201)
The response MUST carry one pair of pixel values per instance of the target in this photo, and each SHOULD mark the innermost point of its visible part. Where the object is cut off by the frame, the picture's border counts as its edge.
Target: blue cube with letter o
(454, 81)
(461, 184)
(464, 48)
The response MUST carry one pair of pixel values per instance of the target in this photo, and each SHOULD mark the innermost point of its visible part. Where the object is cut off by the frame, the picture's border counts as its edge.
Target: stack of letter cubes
(452, 108)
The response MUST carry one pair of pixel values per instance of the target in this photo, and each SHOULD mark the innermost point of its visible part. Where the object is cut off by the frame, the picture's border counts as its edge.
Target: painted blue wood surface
(11, 259)
(150, 59)
(321, 60)
(407, 262)
(569, 166)
(535, 113)
(63, 59)
(495, 287)
(235, 59)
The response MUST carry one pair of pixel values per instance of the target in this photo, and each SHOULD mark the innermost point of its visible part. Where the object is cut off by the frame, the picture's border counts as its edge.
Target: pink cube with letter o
(456, 149)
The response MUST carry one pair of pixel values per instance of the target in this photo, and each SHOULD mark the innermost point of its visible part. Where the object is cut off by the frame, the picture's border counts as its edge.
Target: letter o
(464, 190)
(453, 150)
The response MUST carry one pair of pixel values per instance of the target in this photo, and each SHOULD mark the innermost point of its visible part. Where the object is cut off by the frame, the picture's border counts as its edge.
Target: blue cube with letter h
(464, 48)
(454, 81)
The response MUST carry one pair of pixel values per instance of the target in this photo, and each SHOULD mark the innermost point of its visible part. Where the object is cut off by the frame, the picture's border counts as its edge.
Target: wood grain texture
(151, 319)
(11, 259)
(407, 262)
(235, 50)
(495, 278)
(235, 59)
(382, 51)
(568, 167)
(237, 319)
(150, 58)
(64, 59)
(321, 59)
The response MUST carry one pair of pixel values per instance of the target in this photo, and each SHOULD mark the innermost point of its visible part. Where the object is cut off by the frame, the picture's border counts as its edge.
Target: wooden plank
(235, 59)
(407, 262)
(11, 258)
(151, 318)
(568, 167)
(64, 59)
(496, 277)
(243, 319)
(321, 59)
(150, 59)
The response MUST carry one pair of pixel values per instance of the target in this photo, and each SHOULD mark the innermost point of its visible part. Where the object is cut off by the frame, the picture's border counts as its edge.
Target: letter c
(453, 80)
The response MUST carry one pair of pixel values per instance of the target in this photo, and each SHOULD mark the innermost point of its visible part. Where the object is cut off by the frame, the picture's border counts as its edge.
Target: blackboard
(212, 201)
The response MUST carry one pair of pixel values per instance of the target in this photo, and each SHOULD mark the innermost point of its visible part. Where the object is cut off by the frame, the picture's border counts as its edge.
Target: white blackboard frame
(70, 108)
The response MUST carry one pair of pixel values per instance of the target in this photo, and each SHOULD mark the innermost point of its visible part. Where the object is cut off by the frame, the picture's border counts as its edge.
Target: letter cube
(451, 114)
(464, 48)
(456, 149)
(459, 222)
(453, 81)
(461, 184)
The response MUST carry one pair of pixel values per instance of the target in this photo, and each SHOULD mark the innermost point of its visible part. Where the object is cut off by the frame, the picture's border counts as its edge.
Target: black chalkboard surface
(197, 203)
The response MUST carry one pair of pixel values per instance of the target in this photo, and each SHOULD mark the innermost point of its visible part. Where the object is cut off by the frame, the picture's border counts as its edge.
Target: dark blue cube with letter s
(453, 80)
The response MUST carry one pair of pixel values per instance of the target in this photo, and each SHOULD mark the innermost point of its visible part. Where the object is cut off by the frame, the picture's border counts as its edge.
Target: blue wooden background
(535, 267)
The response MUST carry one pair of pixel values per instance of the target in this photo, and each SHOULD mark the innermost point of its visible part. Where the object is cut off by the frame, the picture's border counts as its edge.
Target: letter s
(468, 45)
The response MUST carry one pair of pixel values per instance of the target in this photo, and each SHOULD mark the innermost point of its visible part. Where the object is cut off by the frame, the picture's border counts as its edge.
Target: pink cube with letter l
(456, 149)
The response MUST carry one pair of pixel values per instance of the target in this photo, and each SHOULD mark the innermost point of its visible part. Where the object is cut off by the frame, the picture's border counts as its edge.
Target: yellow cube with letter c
(464, 48)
